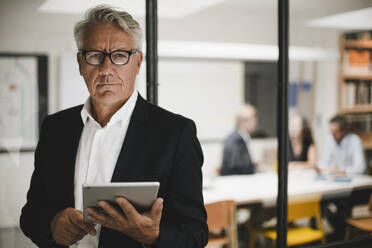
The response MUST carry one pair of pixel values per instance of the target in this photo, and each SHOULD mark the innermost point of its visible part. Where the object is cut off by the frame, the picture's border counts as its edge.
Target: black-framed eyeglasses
(117, 57)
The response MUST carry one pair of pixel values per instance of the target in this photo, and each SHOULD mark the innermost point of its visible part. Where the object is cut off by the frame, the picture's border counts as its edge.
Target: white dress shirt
(348, 155)
(245, 136)
(247, 140)
(98, 153)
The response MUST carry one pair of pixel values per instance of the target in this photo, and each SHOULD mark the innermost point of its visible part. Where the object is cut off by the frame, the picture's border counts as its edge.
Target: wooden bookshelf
(355, 85)
(358, 44)
(367, 108)
(356, 77)
(366, 139)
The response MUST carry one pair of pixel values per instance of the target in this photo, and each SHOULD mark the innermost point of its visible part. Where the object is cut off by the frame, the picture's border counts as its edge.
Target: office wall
(207, 91)
(326, 105)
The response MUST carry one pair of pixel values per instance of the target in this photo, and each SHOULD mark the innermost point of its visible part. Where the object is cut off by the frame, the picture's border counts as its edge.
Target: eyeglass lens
(97, 57)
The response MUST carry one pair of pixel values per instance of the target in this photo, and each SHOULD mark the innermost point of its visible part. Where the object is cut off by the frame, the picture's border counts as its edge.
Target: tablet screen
(140, 194)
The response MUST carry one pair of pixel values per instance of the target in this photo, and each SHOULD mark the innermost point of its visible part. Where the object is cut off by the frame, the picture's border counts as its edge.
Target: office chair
(298, 235)
(360, 224)
(222, 224)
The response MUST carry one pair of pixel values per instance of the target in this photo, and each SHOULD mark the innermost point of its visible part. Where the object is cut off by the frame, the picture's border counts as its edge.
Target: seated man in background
(344, 153)
(236, 158)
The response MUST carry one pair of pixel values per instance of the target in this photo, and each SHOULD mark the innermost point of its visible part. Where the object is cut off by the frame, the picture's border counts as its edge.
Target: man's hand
(142, 227)
(68, 227)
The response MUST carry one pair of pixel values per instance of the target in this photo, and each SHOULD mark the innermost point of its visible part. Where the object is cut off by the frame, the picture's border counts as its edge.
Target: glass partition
(328, 108)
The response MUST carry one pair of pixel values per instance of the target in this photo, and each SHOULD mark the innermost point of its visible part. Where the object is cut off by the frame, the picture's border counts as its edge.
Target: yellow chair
(299, 235)
(361, 224)
(222, 224)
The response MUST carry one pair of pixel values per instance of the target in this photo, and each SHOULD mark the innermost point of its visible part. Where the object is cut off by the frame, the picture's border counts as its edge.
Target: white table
(263, 188)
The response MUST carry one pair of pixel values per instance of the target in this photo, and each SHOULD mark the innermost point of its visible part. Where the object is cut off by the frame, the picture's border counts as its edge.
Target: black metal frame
(282, 200)
(152, 50)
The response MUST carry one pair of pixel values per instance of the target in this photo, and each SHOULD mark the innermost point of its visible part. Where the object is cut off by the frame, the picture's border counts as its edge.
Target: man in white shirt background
(344, 152)
(343, 156)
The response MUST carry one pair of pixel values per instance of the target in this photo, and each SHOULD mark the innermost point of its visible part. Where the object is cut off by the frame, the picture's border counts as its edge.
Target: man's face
(109, 84)
(249, 123)
(336, 132)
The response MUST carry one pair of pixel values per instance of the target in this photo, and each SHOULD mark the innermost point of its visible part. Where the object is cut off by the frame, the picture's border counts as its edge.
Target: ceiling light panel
(354, 20)
(166, 8)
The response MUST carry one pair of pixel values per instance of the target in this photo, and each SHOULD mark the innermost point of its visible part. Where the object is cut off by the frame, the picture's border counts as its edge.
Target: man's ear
(140, 58)
(79, 60)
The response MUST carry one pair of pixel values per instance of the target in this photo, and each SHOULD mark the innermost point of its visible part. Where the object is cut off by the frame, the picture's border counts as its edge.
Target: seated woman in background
(302, 153)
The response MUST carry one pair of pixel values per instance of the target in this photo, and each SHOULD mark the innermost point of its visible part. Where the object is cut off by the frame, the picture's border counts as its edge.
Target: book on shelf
(362, 93)
(357, 62)
(348, 97)
(360, 123)
(357, 93)
(365, 35)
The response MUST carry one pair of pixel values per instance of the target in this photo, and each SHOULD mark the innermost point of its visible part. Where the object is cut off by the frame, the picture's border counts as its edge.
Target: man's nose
(106, 66)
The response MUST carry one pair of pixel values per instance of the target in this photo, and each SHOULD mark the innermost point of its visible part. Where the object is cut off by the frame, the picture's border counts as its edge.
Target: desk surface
(263, 188)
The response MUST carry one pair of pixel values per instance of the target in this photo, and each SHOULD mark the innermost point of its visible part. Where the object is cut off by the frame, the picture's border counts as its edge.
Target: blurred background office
(214, 56)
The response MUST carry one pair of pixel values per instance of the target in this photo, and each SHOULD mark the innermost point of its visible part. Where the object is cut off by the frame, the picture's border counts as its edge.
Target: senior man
(236, 157)
(116, 136)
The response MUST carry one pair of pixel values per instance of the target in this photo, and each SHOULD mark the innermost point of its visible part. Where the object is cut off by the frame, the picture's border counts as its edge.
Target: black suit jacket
(236, 158)
(159, 146)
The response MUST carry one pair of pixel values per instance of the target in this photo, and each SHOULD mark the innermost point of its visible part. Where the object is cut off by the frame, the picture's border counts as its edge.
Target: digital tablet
(140, 194)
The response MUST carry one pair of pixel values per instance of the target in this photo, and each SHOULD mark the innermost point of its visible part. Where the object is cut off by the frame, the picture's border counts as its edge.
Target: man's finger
(128, 209)
(66, 238)
(72, 236)
(78, 221)
(156, 209)
(110, 210)
(85, 228)
(98, 218)
(74, 227)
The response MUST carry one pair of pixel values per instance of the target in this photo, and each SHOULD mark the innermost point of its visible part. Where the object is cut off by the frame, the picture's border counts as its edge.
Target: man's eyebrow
(115, 49)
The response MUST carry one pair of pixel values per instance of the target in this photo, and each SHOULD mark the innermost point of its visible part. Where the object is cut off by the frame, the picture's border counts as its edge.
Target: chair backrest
(306, 209)
(299, 210)
(221, 214)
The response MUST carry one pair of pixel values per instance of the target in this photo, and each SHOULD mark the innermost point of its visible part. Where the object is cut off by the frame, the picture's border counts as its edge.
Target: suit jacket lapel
(76, 129)
(134, 139)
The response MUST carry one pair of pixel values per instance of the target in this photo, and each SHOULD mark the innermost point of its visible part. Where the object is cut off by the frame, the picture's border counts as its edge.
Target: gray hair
(106, 14)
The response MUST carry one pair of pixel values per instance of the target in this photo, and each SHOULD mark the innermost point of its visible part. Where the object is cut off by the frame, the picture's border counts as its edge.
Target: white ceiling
(336, 14)
(354, 20)
(166, 8)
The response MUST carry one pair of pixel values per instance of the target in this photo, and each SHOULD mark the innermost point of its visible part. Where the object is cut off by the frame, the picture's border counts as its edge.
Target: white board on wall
(207, 91)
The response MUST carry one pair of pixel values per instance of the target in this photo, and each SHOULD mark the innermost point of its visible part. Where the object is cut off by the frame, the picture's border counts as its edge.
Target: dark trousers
(344, 207)
(336, 218)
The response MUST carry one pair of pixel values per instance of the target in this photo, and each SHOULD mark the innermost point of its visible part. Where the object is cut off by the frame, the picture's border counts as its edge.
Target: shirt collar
(245, 135)
(343, 143)
(345, 140)
(123, 114)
